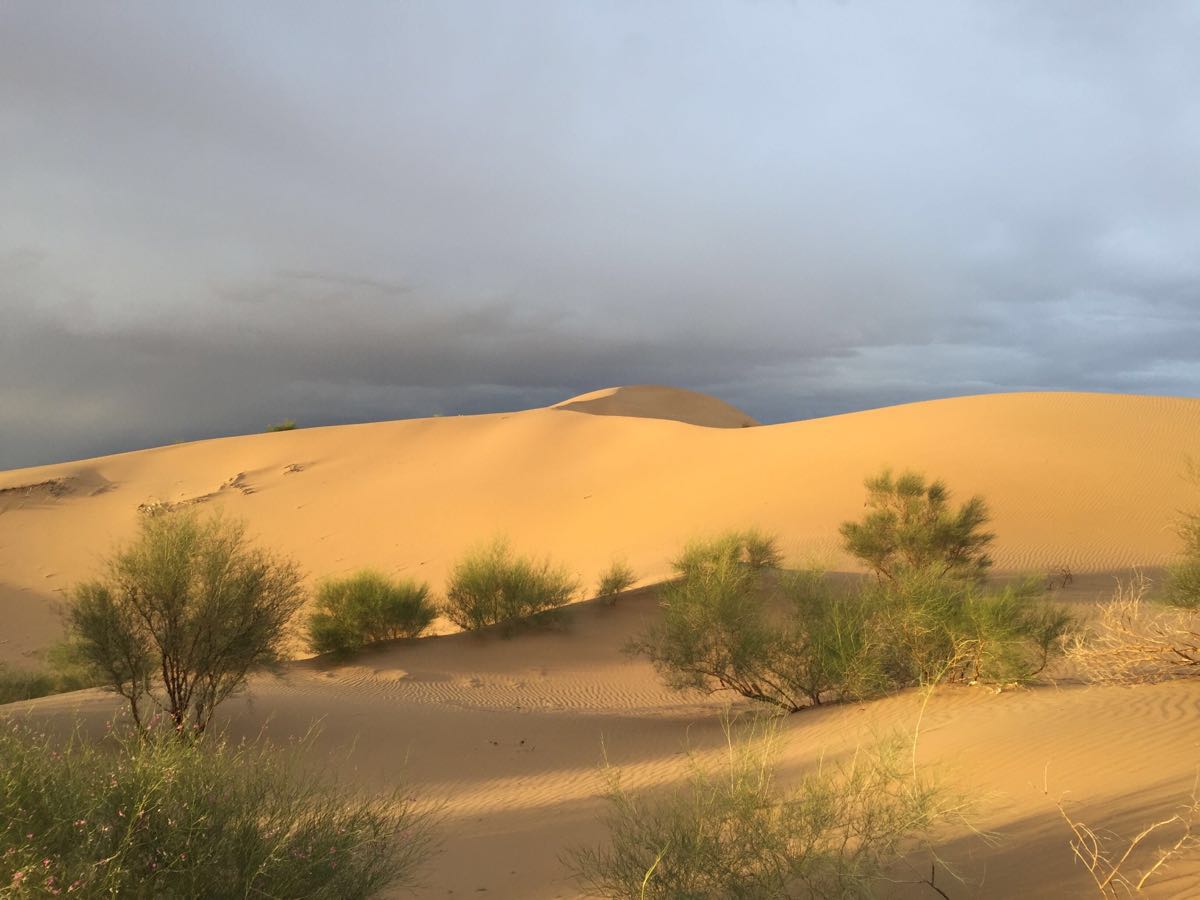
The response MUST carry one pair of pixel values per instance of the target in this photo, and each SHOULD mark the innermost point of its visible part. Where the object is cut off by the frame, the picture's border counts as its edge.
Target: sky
(214, 216)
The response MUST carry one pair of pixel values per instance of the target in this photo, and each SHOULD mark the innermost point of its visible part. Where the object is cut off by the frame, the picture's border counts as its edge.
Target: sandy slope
(1085, 480)
(509, 733)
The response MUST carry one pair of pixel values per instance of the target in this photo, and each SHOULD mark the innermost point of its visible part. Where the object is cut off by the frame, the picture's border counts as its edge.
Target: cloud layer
(215, 216)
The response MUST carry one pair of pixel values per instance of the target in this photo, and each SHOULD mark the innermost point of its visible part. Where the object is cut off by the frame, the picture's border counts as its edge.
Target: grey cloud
(215, 215)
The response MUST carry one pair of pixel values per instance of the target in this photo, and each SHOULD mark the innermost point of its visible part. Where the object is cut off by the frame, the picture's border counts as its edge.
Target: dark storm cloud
(213, 216)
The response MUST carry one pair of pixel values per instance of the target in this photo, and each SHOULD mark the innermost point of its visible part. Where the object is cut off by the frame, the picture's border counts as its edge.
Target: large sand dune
(509, 732)
(1089, 481)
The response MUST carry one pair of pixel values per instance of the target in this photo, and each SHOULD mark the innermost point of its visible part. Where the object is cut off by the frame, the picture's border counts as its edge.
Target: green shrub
(749, 548)
(615, 580)
(184, 615)
(1183, 578)
(732, 833)
(285, 425)
(930, 628)
(1183, 583)
(24, 684)
(152, 816)
(492, 586)
(63, 672)
(366, 608)
(910, 526)
(726, 627)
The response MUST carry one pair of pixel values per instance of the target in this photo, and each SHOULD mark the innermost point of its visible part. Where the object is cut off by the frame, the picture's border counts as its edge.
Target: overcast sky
(217, 215)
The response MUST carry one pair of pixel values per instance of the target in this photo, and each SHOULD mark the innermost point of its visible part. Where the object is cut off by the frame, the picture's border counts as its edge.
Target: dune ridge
(1087, 481)
(510, 733)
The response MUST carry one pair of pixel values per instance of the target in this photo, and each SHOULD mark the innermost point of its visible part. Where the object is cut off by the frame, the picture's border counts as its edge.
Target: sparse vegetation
(366, 608)
(1133, 641)
(1183, 578)
(152, 816)
(749, 548)
(1125, 867)
(285, 425)
(732, 833)
(798, 642)
(184, 615)
(910, 526)
(62, 672)
(492, 586)
(722, 629)
(616, 579)
(931, 628)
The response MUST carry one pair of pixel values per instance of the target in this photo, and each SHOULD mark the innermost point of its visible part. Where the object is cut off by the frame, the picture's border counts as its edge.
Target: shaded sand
(510, 735)
(1089, 481)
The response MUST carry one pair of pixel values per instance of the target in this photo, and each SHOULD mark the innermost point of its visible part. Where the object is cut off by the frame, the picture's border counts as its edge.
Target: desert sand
(509, 733)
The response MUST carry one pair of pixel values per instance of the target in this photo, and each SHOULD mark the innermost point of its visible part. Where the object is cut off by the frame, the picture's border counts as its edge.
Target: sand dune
(1089, 481)
(509, 733)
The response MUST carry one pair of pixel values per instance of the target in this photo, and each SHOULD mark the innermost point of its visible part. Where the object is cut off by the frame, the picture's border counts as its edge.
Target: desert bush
(750, 548)
(62, 672)
(1133, 641)
(285, 425)
(24, 684)
(152, 816)
(731, 832)
(616, 579)
(491, 586)
(184, 615)
(366, 608)
(792, 645)
(797, 641)
(932, 628)
(1183, 583)
(911, 526)
(1183, 577)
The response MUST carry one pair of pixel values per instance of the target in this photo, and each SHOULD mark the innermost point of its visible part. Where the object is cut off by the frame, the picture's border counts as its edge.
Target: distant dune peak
(653, 401)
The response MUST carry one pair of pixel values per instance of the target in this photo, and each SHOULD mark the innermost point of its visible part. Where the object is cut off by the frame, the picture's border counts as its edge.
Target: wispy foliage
(152, 816)
(615, 580)
(492, 585)
(732, 832)
(366, 608)
(910, 525)
(183, 616)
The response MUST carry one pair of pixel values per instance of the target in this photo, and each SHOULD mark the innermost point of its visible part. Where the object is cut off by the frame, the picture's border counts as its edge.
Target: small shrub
(63, 672)
(184, 615)
(617, 579)
(749, 548)
(366, 608)
(285, 425)
(732, 833)
(1183, 577)
(910, 526)
(715, 634)
(491, 586)
(152, 816)
(932, 628)
(1183, 583)
(1132, 641)
(23, 684)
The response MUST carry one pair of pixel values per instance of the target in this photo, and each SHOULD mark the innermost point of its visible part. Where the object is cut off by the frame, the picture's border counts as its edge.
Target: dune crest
(652, 401)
